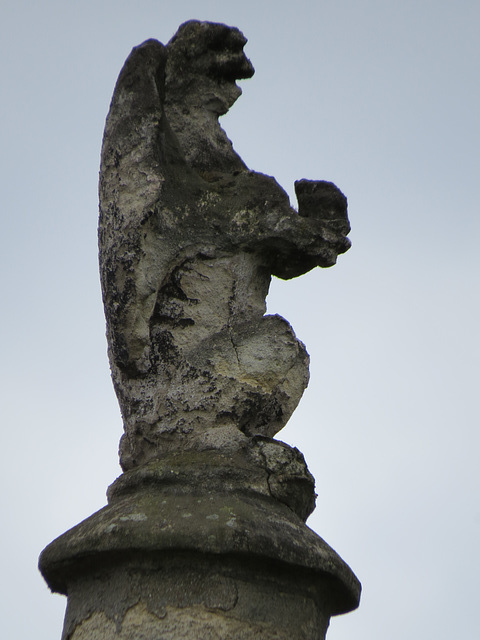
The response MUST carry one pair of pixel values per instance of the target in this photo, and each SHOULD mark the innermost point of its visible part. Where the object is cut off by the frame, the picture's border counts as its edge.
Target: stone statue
(189, 239)
(204, 533)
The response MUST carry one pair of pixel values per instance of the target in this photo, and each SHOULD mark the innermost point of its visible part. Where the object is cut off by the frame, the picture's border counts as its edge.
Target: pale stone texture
(189, 239)
(197, 599)
(204, 533)
(194, 622)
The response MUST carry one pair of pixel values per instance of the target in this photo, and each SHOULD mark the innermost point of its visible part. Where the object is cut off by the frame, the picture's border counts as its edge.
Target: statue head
(204, 61)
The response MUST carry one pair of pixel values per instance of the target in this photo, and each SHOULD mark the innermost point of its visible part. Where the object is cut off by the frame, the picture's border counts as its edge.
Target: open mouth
(230, 66)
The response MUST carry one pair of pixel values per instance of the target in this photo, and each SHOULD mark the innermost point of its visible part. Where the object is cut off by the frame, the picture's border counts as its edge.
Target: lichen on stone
(189, 239)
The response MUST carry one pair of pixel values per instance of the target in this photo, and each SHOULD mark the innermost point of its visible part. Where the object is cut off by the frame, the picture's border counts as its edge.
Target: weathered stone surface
(189, 239)
(204, 533)
(196, 597)
(214, 516)
(215, 513)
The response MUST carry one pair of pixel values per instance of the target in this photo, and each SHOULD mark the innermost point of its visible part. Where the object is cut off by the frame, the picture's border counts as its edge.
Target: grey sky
(380, 97)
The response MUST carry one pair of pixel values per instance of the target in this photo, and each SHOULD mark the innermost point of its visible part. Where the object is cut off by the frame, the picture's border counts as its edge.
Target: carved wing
(131, 178)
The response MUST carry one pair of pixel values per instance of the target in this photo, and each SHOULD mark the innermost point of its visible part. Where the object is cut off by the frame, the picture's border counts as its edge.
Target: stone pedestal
(196, 546)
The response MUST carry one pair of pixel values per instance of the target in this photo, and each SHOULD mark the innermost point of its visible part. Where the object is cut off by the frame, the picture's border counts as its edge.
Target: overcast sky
(380, 97)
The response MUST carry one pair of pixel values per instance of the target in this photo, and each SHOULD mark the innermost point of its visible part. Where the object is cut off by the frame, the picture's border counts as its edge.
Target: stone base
(202, 546)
